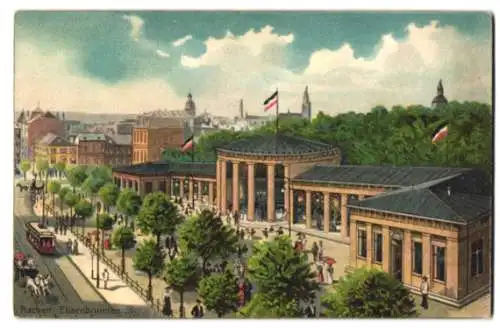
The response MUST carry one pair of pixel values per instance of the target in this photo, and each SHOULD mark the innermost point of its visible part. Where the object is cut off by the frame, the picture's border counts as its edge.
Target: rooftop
(169, 168)
(51, 139)
(272, 144)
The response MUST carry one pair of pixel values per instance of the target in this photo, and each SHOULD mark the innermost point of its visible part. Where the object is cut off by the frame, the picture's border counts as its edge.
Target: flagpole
(277, 111)
(192, 176)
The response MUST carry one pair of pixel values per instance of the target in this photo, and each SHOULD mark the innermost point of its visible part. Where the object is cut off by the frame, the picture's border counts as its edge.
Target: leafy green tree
(158, 215)
(369, 293)
(70, 199)
(84, 210)
(182, 273)
(206, 237)
(263, 306)
(25, 167)
(123, 238)
(60, 168)
(53, 188)
(42, 165)
(109, 195)
(219, 293)
(128, 203)
(62, 195)
(105, 221)
(76, 176)
(149, 259)
(92, 185)
(282, 273)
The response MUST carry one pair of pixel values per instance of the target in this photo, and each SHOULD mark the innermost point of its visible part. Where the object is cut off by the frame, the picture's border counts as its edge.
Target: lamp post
(192, 194)
(92, 261)
(98, 208)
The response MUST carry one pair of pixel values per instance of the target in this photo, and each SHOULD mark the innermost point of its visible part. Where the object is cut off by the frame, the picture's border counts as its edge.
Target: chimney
(449, 191)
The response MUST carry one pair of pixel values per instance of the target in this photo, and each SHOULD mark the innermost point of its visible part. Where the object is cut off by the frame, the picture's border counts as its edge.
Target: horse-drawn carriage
(28, 276)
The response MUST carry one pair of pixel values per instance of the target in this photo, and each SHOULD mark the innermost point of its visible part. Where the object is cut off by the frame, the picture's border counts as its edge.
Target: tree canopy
(148, 258)
(369, 293)
(105, 221)
(84, 209)
(109, 194)
(25, 167)
(158, 215)
(53, 187)
(128, 202)
(400, 136)
(263, 305)
(207, 237)
(281, 273)
(219, 293)
(76, 176)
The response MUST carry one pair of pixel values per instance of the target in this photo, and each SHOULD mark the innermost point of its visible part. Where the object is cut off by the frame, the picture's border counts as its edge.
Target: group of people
(72, 247)
(62, 223)
(197, 311)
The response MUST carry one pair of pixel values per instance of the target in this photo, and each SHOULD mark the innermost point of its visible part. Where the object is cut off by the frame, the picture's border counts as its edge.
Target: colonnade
(193, 182)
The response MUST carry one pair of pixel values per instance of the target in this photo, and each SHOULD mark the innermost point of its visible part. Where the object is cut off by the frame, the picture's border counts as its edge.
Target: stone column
(426, 255)
(353, 246)
(386, 248)
(191, 190)
(406, 254)
(217, 184)
(210, 193)
(271, 213)
(369, 245)
(451, 267)
(156, 185)
(122, 183)
(343, 216)
(181, 187)
(251, 191)
(223, 187)
(200, 189)
(172, 187)
(236, 186)
(291, 211)
(326, 212)
(308, 210)
(286, 186)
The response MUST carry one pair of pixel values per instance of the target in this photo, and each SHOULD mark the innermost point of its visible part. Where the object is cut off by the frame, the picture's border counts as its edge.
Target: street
(66, 300)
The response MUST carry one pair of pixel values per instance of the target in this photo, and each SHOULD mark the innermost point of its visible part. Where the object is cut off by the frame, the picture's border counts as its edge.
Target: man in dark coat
(197, 311)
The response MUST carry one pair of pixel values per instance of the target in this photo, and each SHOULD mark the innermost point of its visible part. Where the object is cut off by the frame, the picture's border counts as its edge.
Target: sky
(133, 62)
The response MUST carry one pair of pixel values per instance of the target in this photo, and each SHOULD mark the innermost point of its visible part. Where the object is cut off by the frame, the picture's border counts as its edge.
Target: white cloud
(162, 53)
(181, 41)
(49, 79)
(136, 24)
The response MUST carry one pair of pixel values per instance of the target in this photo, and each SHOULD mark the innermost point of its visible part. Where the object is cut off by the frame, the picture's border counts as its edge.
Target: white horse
(44, 284)
(32, 286)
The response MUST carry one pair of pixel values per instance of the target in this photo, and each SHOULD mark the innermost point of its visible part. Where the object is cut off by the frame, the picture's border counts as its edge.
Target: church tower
(190, 107)
(306, 105)
(440, 99)
(242, 113)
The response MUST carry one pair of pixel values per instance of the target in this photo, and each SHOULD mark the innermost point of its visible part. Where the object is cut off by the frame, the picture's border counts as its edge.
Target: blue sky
(140, 61)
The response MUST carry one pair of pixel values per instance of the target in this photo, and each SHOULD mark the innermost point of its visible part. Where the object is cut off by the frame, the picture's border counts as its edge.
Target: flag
(271, 101)
(188, 144)
(441, 133)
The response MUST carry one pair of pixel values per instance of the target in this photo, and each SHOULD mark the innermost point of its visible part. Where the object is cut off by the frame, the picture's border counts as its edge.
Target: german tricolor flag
(440, 133)
(187, 145)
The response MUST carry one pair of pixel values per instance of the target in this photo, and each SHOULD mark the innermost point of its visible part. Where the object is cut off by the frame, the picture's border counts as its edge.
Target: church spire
(440, 89)
(242, 113)
(306, 104)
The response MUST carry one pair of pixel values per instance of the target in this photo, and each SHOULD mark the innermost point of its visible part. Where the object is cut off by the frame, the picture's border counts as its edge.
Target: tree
(182, 273)
(105, 221)
(150, 259)
(60, 167)
(263, 305)
(281, 273)
(62, 195)
(207, 237)
(158, 215)
(219, 293)
(84, 210)
(123, 238)
(25, 167)
(76, 176)
(70, 199)
(92, 185)
(54, 187)
(369, 293)
(128, 203)
(109, 195)
(42, 165)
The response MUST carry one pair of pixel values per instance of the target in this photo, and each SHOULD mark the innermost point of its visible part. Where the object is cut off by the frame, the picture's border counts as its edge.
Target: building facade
(148, 143)
(17, 145)
(55, 149)
(408, 221)
(100, 149)
(39, 125)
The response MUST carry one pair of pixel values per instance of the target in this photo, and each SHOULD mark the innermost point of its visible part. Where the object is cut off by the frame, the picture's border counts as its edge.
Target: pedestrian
(75, 247)
(329, 274)
(197, 311)
(167, 303)
(314, 251)
(424, 290)
(56, 228)
(105, 278)
(69, 246)
(320, 250)
(248, 290)
(265, 233)
(319, 269)
(241, 293)
(65, 228)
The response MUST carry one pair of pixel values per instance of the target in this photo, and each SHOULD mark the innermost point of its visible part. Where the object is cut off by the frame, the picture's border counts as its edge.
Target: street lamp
(98, 208)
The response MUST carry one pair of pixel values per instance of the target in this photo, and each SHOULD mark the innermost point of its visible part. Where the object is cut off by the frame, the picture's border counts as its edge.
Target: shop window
(477, 255)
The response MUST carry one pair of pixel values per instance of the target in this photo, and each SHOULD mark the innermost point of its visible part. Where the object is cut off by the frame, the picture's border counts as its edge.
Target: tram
(41, 238)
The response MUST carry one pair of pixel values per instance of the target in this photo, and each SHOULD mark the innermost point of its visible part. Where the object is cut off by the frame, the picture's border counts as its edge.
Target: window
(361, 242)
(149, 187)
(163, 186)
(439, 254)
(378, 247)
(477, 264)
(417, 258)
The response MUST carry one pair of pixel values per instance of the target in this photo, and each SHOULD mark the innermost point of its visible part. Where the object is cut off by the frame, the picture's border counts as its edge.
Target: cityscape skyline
(134, 62)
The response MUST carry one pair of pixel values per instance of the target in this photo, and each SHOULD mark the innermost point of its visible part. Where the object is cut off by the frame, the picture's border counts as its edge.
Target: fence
(155, 305)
